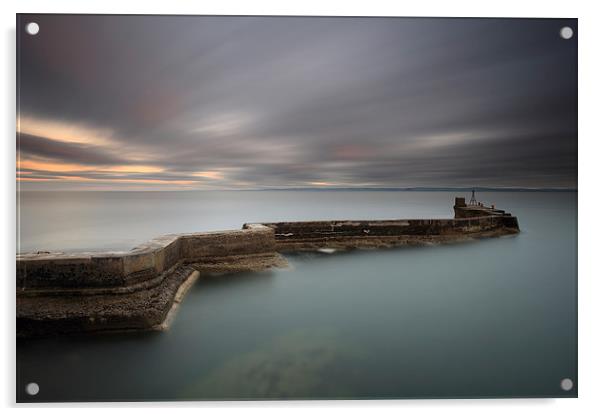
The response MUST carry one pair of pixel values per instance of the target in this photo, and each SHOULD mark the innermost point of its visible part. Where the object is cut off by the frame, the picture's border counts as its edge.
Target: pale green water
(493, 318)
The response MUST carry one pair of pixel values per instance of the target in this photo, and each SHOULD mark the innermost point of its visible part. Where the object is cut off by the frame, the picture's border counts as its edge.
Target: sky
(209, 102)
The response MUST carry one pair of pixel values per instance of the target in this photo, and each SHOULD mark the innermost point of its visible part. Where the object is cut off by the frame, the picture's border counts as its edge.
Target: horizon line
(382, 188)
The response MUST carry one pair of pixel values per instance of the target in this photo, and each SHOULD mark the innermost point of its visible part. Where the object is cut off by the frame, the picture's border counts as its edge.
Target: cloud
(66, 151)
(230, 102)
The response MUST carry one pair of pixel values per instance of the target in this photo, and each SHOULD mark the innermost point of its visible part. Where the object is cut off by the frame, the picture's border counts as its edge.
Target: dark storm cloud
(260, 101)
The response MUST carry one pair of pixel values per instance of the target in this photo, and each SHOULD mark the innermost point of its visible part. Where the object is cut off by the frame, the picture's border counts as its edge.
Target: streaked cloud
(67, 132)
(157, 102)
(210, 174)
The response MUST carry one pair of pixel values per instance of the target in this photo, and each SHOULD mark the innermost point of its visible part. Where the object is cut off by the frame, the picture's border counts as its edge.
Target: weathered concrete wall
(142, 264)
(461, 210)
(347, 234)
(247, 241)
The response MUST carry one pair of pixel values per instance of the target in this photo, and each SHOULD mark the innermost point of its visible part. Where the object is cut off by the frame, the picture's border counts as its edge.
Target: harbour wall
(48, 271)
(140, 289)
(310, 235)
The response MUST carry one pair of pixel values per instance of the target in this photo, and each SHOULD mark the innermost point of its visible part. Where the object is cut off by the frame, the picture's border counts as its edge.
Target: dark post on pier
(473, 200)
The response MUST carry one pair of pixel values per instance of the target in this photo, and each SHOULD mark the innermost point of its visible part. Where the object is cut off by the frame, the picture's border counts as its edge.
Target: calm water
(490, 318)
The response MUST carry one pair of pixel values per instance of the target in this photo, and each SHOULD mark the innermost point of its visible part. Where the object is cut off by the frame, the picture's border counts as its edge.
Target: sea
(487, 318)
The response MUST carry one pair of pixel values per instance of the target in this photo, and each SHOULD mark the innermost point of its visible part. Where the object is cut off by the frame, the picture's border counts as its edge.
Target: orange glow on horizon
(322, 183)
(209, 174)
(74, 167)
(108, 180)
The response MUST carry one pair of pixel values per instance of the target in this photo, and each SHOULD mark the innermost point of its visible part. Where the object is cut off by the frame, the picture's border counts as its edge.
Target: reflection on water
(489, 318)
(294, 365)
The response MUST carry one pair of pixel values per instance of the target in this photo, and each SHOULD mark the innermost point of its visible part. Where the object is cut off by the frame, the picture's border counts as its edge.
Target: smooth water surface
(489, 318)
(82, 221)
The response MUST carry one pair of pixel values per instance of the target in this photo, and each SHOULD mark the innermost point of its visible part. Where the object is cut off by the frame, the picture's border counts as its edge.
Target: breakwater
(140, 289)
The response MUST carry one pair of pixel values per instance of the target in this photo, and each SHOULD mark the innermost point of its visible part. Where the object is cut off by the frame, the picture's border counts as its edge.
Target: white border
(590, 276)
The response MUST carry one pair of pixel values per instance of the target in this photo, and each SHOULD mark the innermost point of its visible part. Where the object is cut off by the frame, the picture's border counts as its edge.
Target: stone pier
(140, 289)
